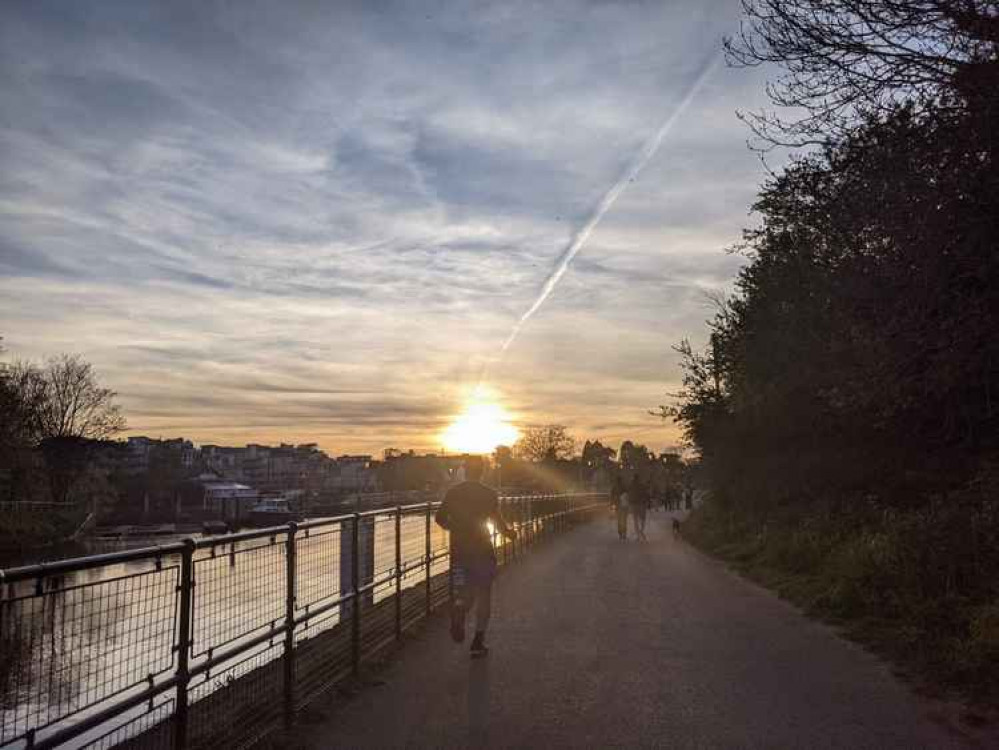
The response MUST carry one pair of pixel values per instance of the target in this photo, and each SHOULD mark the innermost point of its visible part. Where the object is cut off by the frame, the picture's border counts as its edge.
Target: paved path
(598, 643)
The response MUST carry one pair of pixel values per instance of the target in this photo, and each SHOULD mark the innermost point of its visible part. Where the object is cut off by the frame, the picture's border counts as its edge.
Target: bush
(919, 585)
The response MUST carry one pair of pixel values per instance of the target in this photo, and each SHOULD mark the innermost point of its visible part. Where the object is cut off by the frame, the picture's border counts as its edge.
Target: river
(86, 636)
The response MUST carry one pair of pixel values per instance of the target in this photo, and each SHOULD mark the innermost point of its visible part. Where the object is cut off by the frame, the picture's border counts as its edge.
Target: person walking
(619, 499)
(465, 511)
(638, 499)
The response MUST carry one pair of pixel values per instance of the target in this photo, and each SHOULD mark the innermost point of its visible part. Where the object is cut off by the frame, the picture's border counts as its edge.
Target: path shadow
(478, 703)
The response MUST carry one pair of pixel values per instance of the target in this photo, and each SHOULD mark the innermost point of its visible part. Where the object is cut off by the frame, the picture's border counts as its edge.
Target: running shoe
(479, 647)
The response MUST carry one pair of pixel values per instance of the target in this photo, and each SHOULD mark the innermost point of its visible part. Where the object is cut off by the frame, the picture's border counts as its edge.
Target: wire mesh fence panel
(383, 551)
(238, 702)
(414, 604)
(440, 589)
(92, 639)
(440, 542)
(150, 729)
(413, 542)
(69, 642)
(317, 566)
(239, 591)
(323, 653)
(378, 622)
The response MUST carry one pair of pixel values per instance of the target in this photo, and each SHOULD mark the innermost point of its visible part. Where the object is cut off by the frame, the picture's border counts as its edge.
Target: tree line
(50, 413)
(547, 458)
(845, 406)
(860, 353)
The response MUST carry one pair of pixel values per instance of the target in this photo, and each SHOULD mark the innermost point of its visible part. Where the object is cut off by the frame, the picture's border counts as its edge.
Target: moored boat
(272, 511)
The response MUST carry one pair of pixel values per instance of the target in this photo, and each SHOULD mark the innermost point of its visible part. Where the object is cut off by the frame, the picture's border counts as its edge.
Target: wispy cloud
(320, 220)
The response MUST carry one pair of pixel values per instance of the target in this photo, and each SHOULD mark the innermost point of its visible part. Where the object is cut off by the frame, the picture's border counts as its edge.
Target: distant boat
(211, 528)
(272, 511)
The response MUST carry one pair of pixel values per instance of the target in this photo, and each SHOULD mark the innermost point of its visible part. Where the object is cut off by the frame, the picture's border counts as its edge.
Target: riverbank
(917, 586)
(25, 537)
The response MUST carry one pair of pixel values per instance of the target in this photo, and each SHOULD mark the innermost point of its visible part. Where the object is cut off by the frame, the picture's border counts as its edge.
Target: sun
(481, 427)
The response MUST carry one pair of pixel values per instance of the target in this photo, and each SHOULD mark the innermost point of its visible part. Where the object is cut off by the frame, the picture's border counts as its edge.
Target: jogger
(466, 510)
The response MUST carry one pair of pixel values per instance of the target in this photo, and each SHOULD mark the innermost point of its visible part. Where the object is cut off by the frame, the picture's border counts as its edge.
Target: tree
(545, 443)
(596, 455)
(73, 403)
(59, 409)
(845, 60)
(634, 456)
(859, 350)
(502, 455)
(22, 398)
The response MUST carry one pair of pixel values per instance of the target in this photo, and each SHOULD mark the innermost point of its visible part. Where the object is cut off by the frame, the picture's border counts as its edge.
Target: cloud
(318, 221)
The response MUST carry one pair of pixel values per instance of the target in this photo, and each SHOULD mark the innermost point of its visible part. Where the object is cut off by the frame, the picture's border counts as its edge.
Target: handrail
(57, 567)
(196, 602)
(72, 564)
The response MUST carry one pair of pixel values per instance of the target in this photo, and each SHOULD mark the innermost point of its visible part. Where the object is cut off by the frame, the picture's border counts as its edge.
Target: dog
(676, 527)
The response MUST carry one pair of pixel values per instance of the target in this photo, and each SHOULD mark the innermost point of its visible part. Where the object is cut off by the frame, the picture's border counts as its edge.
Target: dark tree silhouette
(74, 404)
(550, 442)
(844, 60)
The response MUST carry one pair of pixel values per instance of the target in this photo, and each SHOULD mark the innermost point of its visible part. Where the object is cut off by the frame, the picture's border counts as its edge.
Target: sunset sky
(319, 222)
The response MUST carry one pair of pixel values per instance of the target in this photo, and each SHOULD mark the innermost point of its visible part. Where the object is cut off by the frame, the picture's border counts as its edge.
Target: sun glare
(480, 428)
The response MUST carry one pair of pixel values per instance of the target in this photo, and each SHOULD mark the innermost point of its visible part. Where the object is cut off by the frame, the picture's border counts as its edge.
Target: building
(140, 450)
(352, 474)
(137, 458)
(221, 498)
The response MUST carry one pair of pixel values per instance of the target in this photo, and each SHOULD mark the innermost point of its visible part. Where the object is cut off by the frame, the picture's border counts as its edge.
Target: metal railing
(218, 641)
(38, 506)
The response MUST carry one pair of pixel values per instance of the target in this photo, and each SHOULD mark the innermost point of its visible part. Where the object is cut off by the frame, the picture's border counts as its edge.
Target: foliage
(845, 409)
(596, 455)
(841, 60)
(52, 420)
(74, 405)
(407, 471)
(859, 354)
(22, 534)
(61, 399)
(916, 585)
(549, 442)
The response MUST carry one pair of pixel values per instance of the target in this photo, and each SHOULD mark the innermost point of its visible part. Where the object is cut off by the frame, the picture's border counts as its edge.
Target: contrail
(583, 234)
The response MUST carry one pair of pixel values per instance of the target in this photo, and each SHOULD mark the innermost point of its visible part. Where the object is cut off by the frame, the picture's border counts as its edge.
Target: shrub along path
(598, 643)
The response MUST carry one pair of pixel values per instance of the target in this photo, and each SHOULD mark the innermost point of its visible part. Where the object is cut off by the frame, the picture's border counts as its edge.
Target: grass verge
(918, 587)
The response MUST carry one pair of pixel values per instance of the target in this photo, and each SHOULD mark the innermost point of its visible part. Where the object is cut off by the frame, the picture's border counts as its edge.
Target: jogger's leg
(459, 608)
(483, 607)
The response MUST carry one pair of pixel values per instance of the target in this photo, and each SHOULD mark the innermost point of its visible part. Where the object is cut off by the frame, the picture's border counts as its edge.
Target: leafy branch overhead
(842, 62)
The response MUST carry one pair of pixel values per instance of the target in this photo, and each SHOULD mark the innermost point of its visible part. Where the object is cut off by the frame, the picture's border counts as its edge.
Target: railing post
(289, 633)
(355, 584)
(492, 541)
(516, 523)
(429, 550)
(186, 591)
(508, 546)
(398, 572)
(530, 520)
